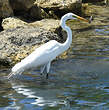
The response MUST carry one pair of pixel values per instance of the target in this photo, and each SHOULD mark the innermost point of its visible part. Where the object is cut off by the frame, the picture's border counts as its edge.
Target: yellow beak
(83, 19)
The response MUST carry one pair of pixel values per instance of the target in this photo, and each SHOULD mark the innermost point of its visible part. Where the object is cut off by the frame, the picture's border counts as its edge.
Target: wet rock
(5, 9)
(16, 44)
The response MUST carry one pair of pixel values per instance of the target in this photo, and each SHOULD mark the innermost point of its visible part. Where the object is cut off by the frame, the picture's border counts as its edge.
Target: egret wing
(43, 54)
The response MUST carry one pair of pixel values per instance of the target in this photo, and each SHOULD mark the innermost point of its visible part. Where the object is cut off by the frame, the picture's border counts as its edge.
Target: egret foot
(47, 76)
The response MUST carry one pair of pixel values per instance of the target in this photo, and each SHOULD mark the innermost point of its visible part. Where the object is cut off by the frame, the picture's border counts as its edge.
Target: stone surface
(46, 24)
(51, 25)
(13, 22)
(59, 7)
(27, 9)
(93, 0)
(56, 4)
(16, 44)
(21, 4)
(38, 9)
(5, 9)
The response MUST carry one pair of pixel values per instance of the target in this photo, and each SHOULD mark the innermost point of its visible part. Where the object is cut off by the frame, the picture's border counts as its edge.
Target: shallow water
(79, 82)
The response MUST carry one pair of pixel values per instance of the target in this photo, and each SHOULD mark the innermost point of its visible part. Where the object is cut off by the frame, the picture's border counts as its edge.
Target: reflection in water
(34, 96)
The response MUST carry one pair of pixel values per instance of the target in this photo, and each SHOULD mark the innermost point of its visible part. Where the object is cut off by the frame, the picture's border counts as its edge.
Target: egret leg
(42, 69)
(48, 69)
(10, 75)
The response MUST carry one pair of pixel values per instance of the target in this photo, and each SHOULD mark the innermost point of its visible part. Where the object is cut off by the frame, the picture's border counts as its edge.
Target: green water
(79, 82)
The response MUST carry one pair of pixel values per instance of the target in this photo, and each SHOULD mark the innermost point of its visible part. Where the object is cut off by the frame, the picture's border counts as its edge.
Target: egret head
(72, 16)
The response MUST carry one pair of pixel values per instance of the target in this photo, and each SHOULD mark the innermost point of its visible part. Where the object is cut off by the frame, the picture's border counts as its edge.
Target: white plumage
(43, 55)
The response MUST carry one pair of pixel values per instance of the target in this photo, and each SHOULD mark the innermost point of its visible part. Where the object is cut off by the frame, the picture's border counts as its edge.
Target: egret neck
(68, 41)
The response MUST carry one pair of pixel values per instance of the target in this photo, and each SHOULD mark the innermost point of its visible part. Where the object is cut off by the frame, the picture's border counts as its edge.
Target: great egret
(43, 55)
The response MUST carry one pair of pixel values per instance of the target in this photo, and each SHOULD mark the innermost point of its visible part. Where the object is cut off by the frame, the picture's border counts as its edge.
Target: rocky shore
(26, 24)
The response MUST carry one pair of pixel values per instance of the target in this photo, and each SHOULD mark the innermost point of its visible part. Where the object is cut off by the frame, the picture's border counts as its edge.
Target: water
(79, 82)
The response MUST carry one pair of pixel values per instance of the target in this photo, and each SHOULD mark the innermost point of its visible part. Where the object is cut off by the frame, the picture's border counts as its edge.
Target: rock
(27, 9)
(13, 22)
(5, 9)
(99, 2)
(46, 24)
(51, 25)
(57, 4)
(84, 1)
(36, 13)
(59, 7)
(39, 9)
(16, 44)
(87, 10)
(21, 5)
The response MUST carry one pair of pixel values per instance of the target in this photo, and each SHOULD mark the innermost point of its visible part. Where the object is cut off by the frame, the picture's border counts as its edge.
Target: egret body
(43, 55)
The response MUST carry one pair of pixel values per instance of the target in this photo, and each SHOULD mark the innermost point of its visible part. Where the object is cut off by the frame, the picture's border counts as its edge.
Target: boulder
(39, 9)
(36, 13)
(17, 43)
(21, 4)
(52, 25)
(27, 9)
(58, 4)
(47, 24)
(5, 9)
(13, 22)
(59, 7)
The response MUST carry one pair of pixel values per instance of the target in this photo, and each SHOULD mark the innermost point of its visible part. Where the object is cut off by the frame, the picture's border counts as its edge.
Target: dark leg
(48, 69)
(42, 69)
(47, 76)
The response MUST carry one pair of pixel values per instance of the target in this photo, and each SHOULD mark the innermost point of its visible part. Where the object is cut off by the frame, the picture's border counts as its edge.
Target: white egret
(43, 55)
